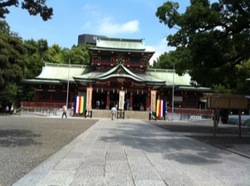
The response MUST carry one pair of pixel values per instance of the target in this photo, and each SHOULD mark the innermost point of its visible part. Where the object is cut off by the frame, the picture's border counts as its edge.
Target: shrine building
(116, 65)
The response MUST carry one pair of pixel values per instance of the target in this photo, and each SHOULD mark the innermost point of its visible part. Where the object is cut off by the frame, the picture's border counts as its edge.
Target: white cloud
(90, 9)
(98, 22)
(159, 49)
(109, 27)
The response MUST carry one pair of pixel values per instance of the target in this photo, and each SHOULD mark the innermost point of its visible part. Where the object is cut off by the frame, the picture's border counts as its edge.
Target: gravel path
(25, 142)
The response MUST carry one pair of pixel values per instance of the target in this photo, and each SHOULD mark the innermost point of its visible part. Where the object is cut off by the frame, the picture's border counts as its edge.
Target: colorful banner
(121, 99)
(89, 98)
(80, 104)
(153, 99)
(160, 108)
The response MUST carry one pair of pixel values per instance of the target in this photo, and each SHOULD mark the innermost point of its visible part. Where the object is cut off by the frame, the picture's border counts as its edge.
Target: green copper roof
(133, 44)
(119, 71)
(54, 73)
(170, 77)
(61, 71)
(123, 72)
(58, 73)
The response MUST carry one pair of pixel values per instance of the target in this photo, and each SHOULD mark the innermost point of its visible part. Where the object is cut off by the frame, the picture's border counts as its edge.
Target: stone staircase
(98, 113)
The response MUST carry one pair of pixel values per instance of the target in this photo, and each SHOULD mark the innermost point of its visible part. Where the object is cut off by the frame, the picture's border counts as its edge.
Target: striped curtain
(80, 104)
(160, 108)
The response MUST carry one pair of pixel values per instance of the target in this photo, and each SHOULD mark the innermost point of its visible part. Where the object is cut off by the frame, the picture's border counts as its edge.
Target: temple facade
(118, 67)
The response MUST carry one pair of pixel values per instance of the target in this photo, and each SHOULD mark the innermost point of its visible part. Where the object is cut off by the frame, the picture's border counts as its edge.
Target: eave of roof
(120, 50)
(119, 39)
(192, 88)
(41, 81)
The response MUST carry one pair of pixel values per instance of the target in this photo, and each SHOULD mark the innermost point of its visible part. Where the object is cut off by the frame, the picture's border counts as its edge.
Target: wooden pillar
(131, 101)
(107, 100)
(37, 96)
(148, 101)
(215, 120)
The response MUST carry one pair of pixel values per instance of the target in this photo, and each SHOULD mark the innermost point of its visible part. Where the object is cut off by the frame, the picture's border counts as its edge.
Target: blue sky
(132, 19)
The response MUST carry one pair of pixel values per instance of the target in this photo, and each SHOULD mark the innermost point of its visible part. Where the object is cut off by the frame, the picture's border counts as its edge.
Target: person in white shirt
(113, 112)
(64, 112)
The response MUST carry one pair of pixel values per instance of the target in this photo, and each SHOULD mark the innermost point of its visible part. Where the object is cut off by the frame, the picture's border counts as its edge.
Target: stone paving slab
(133, 152)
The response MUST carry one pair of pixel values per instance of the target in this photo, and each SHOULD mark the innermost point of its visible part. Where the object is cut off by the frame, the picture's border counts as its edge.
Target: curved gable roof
(117, 71)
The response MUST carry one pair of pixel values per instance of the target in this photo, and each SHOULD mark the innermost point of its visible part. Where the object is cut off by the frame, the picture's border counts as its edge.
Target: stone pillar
(107, 100)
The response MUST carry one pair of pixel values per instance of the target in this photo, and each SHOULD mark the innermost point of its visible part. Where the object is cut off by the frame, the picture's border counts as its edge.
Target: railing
(50, 105)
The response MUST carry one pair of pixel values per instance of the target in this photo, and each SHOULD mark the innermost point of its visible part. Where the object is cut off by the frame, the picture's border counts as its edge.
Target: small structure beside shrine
(227, 101)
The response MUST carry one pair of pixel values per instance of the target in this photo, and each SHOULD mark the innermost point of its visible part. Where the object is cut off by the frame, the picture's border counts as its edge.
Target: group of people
(113, 112)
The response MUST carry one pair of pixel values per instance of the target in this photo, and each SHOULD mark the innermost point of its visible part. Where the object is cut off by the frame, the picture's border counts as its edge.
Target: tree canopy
(212, 41)
(34, 7)
(12, 63)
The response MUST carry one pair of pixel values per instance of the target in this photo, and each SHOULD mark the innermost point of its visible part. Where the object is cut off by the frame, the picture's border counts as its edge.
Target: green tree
(78, 55)
(54, 54)
(212, 40)
(12, 63)
(34, 7)
(35, 51)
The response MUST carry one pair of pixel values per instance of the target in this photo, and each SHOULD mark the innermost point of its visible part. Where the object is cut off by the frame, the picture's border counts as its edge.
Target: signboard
(89, 98)
(153, 100)
(221, 101)
(121, 99)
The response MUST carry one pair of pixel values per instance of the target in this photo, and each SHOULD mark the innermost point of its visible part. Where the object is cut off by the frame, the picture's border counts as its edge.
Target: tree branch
(9, 3)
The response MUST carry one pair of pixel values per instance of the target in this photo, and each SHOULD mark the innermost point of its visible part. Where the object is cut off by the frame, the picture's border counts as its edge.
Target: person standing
(113, 112)
(64, 112)
(7, 110)
(127, 104)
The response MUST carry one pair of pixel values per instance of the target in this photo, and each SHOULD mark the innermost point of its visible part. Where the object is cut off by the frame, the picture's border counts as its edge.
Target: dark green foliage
(212, 41)
(34, 7)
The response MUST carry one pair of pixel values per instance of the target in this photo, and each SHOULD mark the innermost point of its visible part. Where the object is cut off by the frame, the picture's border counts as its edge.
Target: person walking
(64, 112)
(217, 117)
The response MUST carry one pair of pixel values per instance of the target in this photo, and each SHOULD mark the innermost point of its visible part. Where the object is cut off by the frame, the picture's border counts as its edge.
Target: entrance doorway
(139, 102)
(99, 100)
(114, 98)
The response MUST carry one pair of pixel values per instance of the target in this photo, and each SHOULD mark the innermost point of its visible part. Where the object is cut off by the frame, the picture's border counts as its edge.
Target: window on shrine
(96, 58)
(134, 60)
(105, 59)
(44, 95)
(190, 101)
(58, 96)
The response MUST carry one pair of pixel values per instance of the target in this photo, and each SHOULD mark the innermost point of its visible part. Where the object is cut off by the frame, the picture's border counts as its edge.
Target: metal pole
(67, 98)
(173, 93)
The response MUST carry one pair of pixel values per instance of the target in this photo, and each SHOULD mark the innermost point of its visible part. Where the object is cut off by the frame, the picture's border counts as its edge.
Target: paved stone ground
(227, 137)
(20, 137)
(133, 152)
(25, 142)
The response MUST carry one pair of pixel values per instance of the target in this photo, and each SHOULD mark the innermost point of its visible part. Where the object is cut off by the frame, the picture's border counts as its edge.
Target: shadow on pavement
(12, 138)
